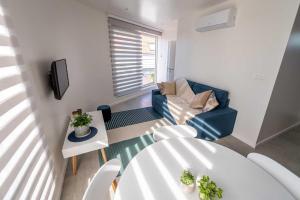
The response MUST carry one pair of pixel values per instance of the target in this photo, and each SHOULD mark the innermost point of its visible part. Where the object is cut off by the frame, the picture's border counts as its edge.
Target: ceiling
(156, 13)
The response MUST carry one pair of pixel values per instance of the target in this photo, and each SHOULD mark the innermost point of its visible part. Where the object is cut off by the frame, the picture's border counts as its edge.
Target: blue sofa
(210, 125)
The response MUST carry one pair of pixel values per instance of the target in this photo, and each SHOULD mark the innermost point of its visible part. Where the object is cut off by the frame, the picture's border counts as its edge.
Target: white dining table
(155, 173)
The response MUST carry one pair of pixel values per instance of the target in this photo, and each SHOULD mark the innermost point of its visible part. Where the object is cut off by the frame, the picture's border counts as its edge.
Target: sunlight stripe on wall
(32, 178)
(11, 91)
(12, 137)
(6, 72)
(10, 115)
(14, 187)
(5, 172)
(26, 169)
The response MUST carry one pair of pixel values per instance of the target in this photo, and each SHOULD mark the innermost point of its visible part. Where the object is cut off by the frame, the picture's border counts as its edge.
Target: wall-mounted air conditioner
(221, 19)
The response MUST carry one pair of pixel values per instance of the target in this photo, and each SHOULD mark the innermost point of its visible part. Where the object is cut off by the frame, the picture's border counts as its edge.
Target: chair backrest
(279, 172)
(99, 186)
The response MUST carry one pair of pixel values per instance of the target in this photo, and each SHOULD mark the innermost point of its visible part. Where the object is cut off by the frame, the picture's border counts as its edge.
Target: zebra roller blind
(127, 57)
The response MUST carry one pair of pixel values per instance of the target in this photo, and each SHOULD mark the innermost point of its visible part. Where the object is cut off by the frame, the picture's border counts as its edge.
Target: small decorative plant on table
(208, 189)
(81, 124)
(187, 181)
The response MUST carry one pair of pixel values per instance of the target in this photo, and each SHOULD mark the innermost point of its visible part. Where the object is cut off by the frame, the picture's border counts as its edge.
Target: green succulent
(187, 177)
(208, 189)
(81, 120)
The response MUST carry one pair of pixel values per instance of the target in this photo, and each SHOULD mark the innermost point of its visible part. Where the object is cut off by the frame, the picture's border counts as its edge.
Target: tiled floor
(139, 102)
(284, 149)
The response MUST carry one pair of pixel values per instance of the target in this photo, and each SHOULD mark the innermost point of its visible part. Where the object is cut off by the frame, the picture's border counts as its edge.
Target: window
(149, 46)
(133, 56)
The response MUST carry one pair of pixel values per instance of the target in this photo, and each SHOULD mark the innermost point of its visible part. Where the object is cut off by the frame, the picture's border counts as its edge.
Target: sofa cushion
(169, 88)
(200, 99)
(211, 103)
(221, 95)
(184, 91)
(180, 110)
(160, 86)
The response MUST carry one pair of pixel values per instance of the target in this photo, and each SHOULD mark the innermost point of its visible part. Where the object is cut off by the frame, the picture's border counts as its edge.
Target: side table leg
(103, 153)
(74, 165)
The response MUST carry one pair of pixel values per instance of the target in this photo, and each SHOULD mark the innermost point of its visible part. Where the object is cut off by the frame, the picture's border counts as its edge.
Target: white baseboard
(278, 133)
(242, 139)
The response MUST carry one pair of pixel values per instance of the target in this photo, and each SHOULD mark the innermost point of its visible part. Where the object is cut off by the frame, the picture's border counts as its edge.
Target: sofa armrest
(156, 92)
(214, 124)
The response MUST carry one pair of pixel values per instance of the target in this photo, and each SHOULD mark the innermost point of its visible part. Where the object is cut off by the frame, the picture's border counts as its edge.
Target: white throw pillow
(184, 91)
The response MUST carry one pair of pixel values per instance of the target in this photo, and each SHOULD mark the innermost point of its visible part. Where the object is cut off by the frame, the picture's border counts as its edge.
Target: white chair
(282, 174)
(101, 182)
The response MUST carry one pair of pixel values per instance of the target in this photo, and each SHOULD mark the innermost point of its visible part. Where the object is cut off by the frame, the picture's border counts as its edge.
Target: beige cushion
(180, 110)
(169, 88)
(200, 99)
(184, 91)
(160, 87)
(181, 85)
(211, 103)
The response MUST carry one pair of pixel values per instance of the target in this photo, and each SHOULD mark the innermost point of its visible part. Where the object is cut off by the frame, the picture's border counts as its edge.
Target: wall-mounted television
(59, 78)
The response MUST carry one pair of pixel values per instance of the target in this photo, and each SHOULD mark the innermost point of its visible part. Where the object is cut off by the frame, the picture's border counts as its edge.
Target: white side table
(99, 141)
(174, 131)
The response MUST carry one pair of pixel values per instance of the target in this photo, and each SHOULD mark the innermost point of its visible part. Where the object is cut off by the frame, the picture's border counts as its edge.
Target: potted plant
(81, 124)
(187, 181)
(208, 189)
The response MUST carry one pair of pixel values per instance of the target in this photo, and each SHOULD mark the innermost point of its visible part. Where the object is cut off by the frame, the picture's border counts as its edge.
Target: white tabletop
(99, 141)
(155, 172)
(174, 131)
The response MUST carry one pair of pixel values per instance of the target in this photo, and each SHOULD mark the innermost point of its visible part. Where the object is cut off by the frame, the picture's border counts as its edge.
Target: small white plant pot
(188, 188)
(82, 131)
(201, 196)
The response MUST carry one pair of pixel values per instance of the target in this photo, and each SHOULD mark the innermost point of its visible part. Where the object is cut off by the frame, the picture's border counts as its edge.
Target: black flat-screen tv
(59, 78)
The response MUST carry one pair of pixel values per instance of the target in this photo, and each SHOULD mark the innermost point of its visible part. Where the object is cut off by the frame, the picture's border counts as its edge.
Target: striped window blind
(129, 55)
(26, 169)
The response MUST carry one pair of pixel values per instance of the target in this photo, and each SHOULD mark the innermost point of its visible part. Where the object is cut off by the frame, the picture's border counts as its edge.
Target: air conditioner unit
(221, 19)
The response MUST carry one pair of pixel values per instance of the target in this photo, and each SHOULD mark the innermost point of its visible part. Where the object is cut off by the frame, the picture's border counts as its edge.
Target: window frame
(122, 87)
(156, 62)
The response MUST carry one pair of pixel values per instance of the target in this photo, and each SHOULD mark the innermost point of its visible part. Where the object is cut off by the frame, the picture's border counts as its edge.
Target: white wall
(169, 34)
(284, 108)
(26, 168)
(53, 29)
(236, 59)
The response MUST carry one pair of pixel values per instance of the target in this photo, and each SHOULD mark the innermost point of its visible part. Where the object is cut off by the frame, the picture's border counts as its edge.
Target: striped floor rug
(126, 150)
(130, 117)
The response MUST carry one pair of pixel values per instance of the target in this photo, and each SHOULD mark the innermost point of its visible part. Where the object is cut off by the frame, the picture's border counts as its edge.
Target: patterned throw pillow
(211, 103)
(200, 99)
